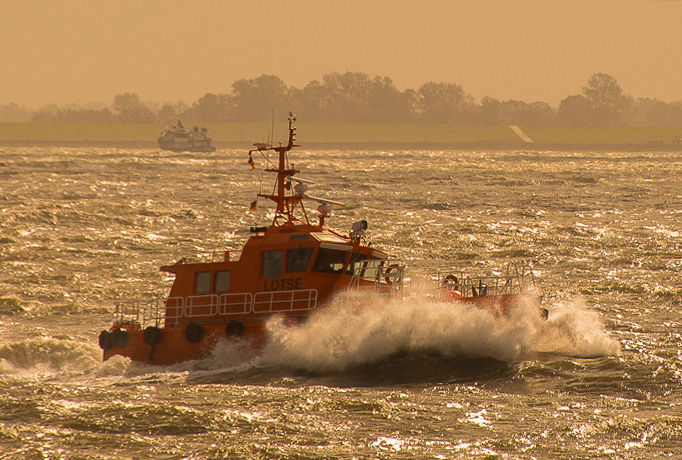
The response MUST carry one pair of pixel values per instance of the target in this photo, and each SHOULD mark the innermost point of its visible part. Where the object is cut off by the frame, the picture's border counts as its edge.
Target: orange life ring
(451, 281)
(391, 279)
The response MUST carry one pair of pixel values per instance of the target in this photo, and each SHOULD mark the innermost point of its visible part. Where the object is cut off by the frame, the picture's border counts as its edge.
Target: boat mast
(285, 204)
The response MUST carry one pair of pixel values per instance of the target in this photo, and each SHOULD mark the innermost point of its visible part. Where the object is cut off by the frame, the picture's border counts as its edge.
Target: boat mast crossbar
(286, 204)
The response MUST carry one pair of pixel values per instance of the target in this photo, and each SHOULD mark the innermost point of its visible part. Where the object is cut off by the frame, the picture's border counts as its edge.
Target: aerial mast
(285, 204)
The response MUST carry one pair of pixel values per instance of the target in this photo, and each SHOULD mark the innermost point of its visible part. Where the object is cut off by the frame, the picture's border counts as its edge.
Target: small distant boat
(179, 139)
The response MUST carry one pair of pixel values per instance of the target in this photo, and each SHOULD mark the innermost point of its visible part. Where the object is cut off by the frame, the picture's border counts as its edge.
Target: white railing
(285, 301)
(235, 304)
(207, 306)
(202, 307)
(175, 309)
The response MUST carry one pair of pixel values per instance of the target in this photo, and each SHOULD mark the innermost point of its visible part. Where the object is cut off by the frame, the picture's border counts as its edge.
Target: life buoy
(390, 279)
(234, 330)
(151, 336)
(451, 282)
(119, 338)
(194, 333)
(105, 340)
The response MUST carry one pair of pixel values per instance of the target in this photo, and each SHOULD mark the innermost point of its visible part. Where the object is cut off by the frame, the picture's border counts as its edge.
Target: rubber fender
(105, 340)
(194, 333)
(234, 330)
(119, 338)
(151, 335)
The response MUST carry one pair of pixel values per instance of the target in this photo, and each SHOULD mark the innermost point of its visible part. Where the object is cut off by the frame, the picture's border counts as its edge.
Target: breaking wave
(47, 355)
(361, 329)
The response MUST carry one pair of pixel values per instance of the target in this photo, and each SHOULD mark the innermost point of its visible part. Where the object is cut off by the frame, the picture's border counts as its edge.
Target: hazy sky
(81, 51)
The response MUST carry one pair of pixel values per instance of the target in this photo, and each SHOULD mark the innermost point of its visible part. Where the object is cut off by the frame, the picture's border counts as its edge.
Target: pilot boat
(289, 269)
(179, 139)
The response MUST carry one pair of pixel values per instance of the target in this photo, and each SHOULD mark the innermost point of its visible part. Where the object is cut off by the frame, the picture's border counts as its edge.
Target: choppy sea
(406, 379)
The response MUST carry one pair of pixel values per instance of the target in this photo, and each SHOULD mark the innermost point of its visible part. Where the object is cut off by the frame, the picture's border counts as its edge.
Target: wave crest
(47, 355)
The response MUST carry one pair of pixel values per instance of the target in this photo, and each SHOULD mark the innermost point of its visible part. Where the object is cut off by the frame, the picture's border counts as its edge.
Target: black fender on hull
(234, 330)
(194, 333)
(151, 336)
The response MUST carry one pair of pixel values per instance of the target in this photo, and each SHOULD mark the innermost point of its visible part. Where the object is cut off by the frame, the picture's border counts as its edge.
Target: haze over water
(414, 379)
(84, 52)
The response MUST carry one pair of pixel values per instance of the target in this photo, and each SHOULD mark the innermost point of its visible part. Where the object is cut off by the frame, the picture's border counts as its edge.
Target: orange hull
(499, 305)
(174, 345)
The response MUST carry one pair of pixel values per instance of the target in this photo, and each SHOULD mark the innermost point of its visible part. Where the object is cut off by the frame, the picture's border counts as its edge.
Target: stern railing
(139, 313)
(518, 279)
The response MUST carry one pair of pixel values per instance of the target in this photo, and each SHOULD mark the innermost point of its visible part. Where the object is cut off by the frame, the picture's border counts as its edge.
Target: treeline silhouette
(354, 97)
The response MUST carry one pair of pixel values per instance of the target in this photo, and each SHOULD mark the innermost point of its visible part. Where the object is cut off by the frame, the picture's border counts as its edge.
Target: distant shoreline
(356, 136)
(373, 146)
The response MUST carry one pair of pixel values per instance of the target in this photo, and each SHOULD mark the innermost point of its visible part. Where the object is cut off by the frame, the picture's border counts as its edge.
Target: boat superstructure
(290, 269)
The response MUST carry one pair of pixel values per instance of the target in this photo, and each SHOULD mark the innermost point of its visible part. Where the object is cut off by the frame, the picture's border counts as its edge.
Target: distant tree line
(354, 97)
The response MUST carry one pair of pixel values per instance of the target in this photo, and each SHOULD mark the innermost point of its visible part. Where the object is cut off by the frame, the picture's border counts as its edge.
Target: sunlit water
(602, 378)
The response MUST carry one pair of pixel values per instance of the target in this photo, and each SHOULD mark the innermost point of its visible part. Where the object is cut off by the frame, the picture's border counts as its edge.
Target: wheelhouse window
(272, 264)
(330, 260)
(298, 259)
(356, 259)
(202, 283)
(222, 281)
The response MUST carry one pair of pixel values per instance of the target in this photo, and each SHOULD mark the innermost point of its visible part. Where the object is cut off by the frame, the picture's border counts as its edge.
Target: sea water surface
(412, 378)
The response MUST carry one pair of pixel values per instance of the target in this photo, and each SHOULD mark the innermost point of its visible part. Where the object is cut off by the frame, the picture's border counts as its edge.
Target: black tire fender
(119, 338)
(151, 335)
(234, 330)
(105, 340)
(194, 333)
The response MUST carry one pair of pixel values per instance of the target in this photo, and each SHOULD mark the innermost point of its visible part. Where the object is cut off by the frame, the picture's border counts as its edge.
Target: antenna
(272, 130)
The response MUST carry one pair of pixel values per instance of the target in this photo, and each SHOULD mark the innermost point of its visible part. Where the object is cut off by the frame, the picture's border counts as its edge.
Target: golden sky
(82, 51)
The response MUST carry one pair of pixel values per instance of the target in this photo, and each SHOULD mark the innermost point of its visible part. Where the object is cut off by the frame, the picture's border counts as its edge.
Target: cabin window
(202, 283)
(222, 281)
(272, 263)
(298, 259)
(356, 259)
(330, 260)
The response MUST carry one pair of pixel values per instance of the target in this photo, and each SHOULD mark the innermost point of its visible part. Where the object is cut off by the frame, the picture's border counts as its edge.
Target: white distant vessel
(179, 139)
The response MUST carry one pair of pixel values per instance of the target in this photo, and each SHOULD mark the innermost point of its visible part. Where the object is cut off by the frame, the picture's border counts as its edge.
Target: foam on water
(575, 330)
(361, 328)
(47, 355)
